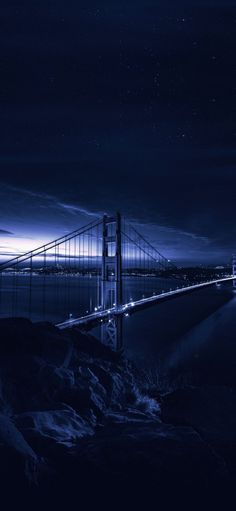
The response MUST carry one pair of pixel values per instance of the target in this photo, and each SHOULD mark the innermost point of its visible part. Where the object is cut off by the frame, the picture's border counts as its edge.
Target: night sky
(128, 106)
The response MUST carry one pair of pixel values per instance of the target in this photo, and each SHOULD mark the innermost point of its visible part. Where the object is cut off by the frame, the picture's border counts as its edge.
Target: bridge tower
(111, 284)
(234, 269)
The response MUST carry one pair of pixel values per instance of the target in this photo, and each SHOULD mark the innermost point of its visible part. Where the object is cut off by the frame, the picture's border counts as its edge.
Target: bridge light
(95, 308)
(132, 304)
(126, 315)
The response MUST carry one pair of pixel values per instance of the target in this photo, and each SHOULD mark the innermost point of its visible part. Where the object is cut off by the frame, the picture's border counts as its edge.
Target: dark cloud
(5, 233)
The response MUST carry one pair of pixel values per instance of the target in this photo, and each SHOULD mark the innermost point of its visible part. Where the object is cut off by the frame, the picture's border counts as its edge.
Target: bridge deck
(100, 316)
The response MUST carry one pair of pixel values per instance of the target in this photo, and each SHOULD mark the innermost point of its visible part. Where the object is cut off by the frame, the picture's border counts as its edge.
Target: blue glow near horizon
(35, 219)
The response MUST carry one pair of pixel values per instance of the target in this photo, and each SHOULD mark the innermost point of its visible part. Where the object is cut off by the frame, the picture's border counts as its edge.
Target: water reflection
(192, 335)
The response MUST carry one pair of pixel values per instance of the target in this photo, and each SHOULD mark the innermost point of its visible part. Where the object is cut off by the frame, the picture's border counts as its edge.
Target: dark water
(190, 338)
(55, 297)
(49, 298)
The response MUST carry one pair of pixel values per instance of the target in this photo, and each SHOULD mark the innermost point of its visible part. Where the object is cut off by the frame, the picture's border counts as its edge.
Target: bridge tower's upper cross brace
(111, 283)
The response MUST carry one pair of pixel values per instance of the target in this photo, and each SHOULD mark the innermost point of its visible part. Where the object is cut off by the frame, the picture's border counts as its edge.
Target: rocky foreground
(79, 421)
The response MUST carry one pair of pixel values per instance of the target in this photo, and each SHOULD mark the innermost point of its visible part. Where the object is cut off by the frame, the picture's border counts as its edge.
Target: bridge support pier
(111, 286)
(234, 269)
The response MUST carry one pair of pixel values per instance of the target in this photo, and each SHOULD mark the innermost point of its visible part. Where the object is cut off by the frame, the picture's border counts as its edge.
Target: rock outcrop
(57, 388)
(74, 414)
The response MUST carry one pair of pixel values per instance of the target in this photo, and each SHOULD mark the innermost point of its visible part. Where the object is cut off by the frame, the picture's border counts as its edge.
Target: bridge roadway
(99, 316)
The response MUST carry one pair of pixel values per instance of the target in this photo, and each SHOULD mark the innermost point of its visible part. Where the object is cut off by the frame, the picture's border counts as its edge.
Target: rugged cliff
(74, 415)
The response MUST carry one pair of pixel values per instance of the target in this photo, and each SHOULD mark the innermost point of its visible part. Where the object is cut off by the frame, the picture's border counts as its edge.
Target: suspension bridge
(93, 277)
